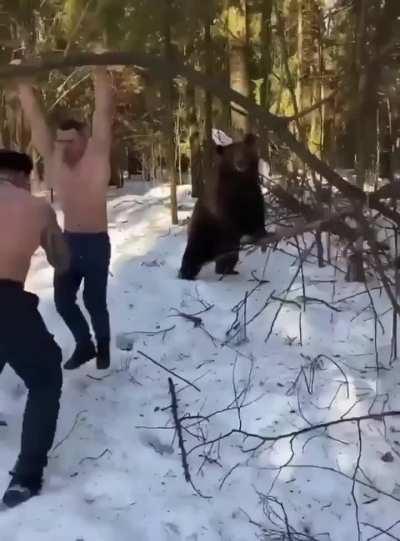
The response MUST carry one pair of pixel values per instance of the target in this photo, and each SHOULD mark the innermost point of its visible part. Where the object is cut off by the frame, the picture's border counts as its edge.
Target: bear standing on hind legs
(233, 206)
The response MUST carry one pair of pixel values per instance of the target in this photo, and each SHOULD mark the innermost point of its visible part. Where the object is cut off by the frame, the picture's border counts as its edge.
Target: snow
(111, 480)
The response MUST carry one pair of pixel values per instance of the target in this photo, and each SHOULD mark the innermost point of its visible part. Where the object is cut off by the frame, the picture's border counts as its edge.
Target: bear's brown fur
(233, 206)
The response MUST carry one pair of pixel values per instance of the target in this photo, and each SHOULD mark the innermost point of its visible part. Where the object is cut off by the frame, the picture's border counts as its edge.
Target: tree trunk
(300, 54)
(194, 142)
(355, 268)
(238, 64)
(369, 76)
(168, 90)
(178, 150)
(208, 147)
(294, 91)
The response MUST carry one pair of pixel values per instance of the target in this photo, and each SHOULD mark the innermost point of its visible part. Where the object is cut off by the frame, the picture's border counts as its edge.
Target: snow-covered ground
(116, 473)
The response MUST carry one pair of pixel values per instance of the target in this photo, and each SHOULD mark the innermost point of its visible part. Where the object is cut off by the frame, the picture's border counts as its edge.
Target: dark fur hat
(11, 160)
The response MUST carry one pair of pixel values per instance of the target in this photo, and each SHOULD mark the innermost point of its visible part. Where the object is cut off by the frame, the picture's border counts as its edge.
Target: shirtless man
(25, 344)
(79, 166)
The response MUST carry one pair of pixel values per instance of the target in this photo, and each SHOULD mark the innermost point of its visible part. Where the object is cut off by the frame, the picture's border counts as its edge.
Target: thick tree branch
(296, 433)
(162, 70)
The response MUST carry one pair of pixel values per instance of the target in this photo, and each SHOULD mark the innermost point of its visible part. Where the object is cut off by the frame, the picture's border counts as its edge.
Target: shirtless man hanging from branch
(78, 163)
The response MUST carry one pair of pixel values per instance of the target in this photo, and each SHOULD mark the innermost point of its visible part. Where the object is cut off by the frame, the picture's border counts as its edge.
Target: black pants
(90, 260)
(30, 350)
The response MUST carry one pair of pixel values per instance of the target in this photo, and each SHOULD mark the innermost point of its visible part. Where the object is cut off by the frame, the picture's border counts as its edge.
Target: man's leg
(95, 297)
(66, 287)
(36, 358)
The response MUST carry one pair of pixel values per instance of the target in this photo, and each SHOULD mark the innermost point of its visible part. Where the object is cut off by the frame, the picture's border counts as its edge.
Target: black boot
(103, 356)
(82, 354)
(22, 489)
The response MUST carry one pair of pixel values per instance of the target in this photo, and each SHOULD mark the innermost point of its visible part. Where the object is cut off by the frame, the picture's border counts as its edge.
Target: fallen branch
(77, 418)
(169, 371)
(381, 531)
(227, 475)
(296, 433)
(353, 488)
(178, 427)
(321, 301)
(286, 301)
(105, 452)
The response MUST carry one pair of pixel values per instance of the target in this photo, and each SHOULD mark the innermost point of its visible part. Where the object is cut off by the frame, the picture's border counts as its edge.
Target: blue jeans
(90, 260)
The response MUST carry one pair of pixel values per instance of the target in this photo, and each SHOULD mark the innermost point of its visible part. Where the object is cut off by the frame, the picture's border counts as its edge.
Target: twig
(314, 299)
(365, 484)
(70, 432)
(151, 333)
(178, 427)
(357, 294)
(169, 371)
(245, 317)
(296, 433)
(271, 499)
(106, 451)
(197, 321)
(292, 281)
(94, 378)
(376, 320)
(286, 301)
(353, 494)
(255, 316)
(227, 475)
(382, 531)
(303, 283)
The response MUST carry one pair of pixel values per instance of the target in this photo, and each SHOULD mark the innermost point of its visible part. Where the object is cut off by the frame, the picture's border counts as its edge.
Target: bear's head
(240, 156)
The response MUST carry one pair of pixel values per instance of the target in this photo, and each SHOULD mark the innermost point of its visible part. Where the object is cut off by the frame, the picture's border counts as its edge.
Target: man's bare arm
(42, 138)
(53, 243)
(104, 110)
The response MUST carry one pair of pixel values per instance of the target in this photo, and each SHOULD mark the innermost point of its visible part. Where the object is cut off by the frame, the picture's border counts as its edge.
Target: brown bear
(232, 207)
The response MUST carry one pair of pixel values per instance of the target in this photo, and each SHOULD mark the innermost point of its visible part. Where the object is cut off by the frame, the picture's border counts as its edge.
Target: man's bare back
(25, 221)
(22, 220)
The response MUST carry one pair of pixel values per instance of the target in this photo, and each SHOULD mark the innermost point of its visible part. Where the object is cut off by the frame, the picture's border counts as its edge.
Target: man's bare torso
(82, 191)
(22, 221)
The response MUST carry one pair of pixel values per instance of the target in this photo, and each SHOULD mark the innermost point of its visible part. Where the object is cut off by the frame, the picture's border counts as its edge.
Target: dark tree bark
(168, 90)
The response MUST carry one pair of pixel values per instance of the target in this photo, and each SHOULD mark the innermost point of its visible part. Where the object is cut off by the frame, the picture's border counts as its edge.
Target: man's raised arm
(104, 110)
(42, 138)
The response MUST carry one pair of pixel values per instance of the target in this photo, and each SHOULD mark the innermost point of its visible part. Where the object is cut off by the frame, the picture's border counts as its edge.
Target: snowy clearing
(116, 473)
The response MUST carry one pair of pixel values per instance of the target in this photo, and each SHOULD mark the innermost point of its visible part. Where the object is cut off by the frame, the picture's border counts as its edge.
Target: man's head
(15, 167)
(73, 136)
